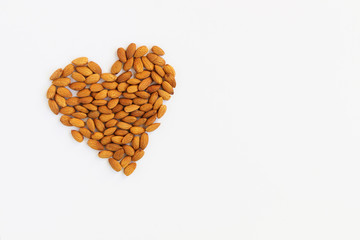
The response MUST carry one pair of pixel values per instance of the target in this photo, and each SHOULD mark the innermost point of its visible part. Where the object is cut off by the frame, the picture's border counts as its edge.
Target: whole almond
(137, 113)
(155, 59)
(152, 127)
(145, 83)
(124, 77)
(128, 150)
(77, 135)
(121, 54)
(117, 108)
(132, 89)
(150, 120)
(147, 63)
(128, 64)
(131, 108)
(67, 110)
(85, 132)
(146, 107)
(140, 101)
(157, 50)
(138, 155)
(135, 143)
(161, 111)
(114, 94)
(91, 107)
(77, 122)
(144, 139)
(125, 101)
(116, 67)
(137, 130)
(105, 154)
(78, 77)
(81, 61)
(64, 92)
(153, 88)
(130, 50)
(154, 96)
(99, 102)
(97, 136)
(109, 131)
(95, 67)
(110, 85)
(158, 103)
(84, 71)
(104, 109)
(121, 115)
(83, 93)
(159, 71)
(167, 87)
(117, 139)
(64, 119)
(123, 125)
(139, 122)
(53, 106)
(142, 94)
(141, 51)
(60, 101)
(102, 94)
(96, 87)
(113, 147)
(125, 161)
(61, 82)
(138, 65)
(94, 144)
(69, 69)
(99, 125)
(50, 94)
(106, 140)
(149, 113)
(143, 74)
(79, 115)
(156, 77)
(93, 78)
(130, 169)
(111, 123)
(108, 77)
(129, 119)
(121, 132)
(127, 138)
(115, 165)
(171, 79)
(81, 109)
(93, 114)
(133, 81)
(119, 154)
(169, 69)
(77, 86)
(56, 74)
(165, 95)
(90, 124)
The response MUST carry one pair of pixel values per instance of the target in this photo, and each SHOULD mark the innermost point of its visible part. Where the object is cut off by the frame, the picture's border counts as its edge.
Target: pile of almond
(114, 110)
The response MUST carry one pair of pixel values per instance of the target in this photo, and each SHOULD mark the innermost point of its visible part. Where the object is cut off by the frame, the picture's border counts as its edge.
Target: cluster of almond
(114, 110)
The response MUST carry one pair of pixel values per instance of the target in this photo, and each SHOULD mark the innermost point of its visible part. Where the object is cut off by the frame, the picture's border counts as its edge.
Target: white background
(261, 140)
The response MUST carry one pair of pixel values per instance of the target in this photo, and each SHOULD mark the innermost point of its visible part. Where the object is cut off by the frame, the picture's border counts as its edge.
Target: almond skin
(138, 155)
(93, 78)
(51, 92)
(97, 136)
(95, 67)
(150, 120)
(153, 88)
(116, 67)
(152, 127)
(105, 154)
(144, 140)
(158, 103)
(157, 50)
(77, 135)
(161, 111)
(121, 55)
(130, 50)
(113, 147)
(77, 86)
(53, 107)
(78, 77)
(67, 110)
(145, 83)
(61, 82)
(130, 169)
(159, 71)
(117, 139)
(123, 125)
(171, 79)
(95, 144)
(56, 74)
(115, 165)
(141, 51)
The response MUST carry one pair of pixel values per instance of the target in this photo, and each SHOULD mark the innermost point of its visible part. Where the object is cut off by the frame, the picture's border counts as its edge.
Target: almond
(154, 96)
(114, 94)
(111, 123)
(84, 71)
(97, 136)
(121, 54)
(129, 119)
(156, 77)
(67, 110)
(116, 67)
(142, 75)
(164, 95)
(64, 119)
(152, 127)
(138, 65)
(102, 94)
(99, 125)
(113, 147)
(137, 130)
(138, 155)
(123, 125)
(51, 92)
(167, 87)
(83, 93)
(108, 77)
(105, 154)
(130, 169)
(127, 138)
(77, 86)
(125, 101)
(130, 50)
(117, 139)
(85, 132)
(157, 50)
(77, 122)
(60, 101)
(153, 88)
(93, 78)
(78, 77)
(124, 77)
(150, 120)
(155, 59)
(69, 69)
(146, 107)
(129, 95)
(115, 164)
(56, 74)
(95, 67)
(142, 94)
(161, 111)
(64, 92)
(94, 144)
(135, 143)
(159, 71)
(140, 101)
(110, 85)
(77, 135)
(81, 61)
(131, 108)
(145, 83)
(158, 103)
(106, 140)
(119, 154)
(132, 89)
(171, 79)
(81, 109)
(139, 122)
(144, 139)
(141, 51)
(53, 106)
(169, 69)
(128, 64)
(147, 63)
(125, 161)
(128, 150)
(90, 124)
(79, 115)
(109, 131)
(61, 82)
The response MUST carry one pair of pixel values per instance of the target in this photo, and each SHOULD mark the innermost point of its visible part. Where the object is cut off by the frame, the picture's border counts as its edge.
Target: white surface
(261, 139)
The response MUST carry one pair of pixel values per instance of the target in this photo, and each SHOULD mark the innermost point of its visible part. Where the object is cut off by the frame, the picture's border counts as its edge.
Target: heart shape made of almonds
(114, 110)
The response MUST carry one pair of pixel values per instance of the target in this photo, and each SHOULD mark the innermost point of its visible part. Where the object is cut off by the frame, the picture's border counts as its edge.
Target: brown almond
(102, 94)
(93, 78)
(158, 103)
(60, 101)
(78, 77)
(116, 67)
(142, 94)
(138, 65)
(132, 89)
(124, 77)
(99, 125)
(79, 115)
(147, 63)
(81, 61)
(123, 125)
(84, 71)
(125, 161)
(153, 88)
(125, 101)
(167, 87)
(159, 71)
(130, 50)
(131, 108)
(106, 117)
(81, 109)
(133, 81)
(119, 154)
(128, 150)
(141, 51)
(135, 143)
(67, 110)
(129, 119)
(104, 109)
(108, 77)
(86, 100)
(155, 59)
(115, 165)
(64, 119)
(137, 113)
(121, 115)
(129, 95)
(77, 135)
(130, 169)
(93, 114)
(111, 123)
(97, 136)
(109, 131)
(113, 147)
(128, 64)
(64, 92)
(144, 140)
(99, 102)
(90, 124)
(156, 77)
(154, 96)
(121, 132)
(165, 95)
(69, 69)
(171, 79)
(95, 67)
(121, 54)
(149, 113)
(106, 140)
(77, 122)
(146, 107)
(94, 144)
(140, 101)
(142, 75)
(137, 130)
(138, 155)
(117, 108)
(145, 83)
(139, 122)
(117, 139)
(97, 87)
(169, 69)
(50, 94)
(61, 82)
(152, 127)
(85, 132)
(127, 138)
(150, 120)
(56, 74)
(84, 93)
(105, 154)
(114, 94)
(161, 111)
(77, 86)
(53, 106)
(110, 85)
(157, 50)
